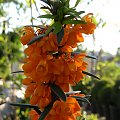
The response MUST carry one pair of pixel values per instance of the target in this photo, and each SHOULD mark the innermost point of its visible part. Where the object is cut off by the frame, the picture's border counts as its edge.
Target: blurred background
(104, 44)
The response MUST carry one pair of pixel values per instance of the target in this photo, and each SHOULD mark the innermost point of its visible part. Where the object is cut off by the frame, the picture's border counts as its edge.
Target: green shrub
(115, 96)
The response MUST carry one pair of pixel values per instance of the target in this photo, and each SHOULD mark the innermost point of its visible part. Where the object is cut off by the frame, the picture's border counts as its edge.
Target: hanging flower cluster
(51, 66)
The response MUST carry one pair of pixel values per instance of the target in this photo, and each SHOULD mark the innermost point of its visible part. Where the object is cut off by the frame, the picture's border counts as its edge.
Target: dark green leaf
(47, 16)
(57, 27)
(58, 91)
(82, 99)
(73, 22)
(67, 3)
(23, 105)
(36, 39)
(60, 36)
(75, 14)
(91, 57)
(18, 71)
(36, 108)
(90, 74)
(46, 111)
(69, 18)
(46, 1)
(77, 2)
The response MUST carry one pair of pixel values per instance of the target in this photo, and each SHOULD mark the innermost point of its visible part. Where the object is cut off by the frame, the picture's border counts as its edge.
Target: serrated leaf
(60, 36)
(73, 22)
(90, 74)
(88, 56)
(36, 39)
(77, 2)
(46, 111)
(47, 16)
(58, 91)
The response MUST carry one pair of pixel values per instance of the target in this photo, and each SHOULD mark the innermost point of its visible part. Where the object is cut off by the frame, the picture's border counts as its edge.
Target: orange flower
(29, 34)
(64, 110)
(34, 115)
(89, 27)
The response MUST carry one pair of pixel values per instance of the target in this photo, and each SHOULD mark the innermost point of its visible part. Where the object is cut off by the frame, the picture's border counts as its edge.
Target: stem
(31, 12)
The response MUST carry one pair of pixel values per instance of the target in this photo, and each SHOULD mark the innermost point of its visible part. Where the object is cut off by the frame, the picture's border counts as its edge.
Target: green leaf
(18, 71)
(88, 56)
(46, 111)
(60, 36)
(47, 16)
(36, 39)
(77, 2)
(57, 27)
(103, 25)
(75, 13)
(94, 20)
(69, 17)
(67, 3)
(82, 99)
(23, 105)
(37, 26)
(73, 22)
(46, 1)
(58, 91)
(50, 28)
(72, 92)
(90, 74)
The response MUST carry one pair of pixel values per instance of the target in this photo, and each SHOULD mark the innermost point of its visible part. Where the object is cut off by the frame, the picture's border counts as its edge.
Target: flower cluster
(61, 110)
(49, 62)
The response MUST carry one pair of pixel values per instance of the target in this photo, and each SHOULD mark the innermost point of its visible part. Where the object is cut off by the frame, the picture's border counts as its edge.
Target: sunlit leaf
(77, 2)
(73, 92)
(94, 20)
(103, 25)
(46, 111)
(90, 74)
(37, 26)
(50, 28)
(36, 39)
(47, 16)
(58, 91)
